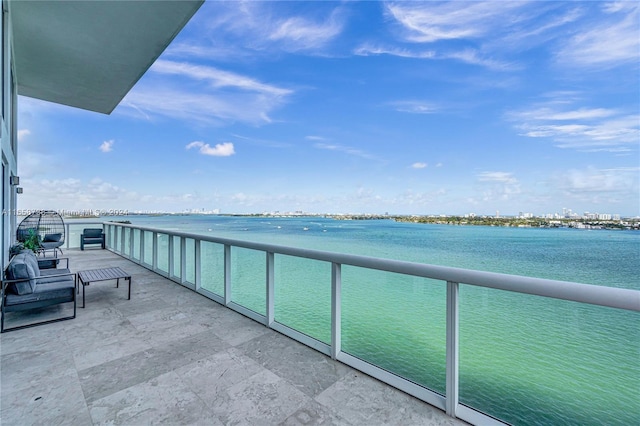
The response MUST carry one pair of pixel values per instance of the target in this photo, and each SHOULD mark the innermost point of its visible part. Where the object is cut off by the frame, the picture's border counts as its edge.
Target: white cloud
(419, 165)
(314, 138)
(498, 186)
(474, 57)
(22, 134)
(501, 177)
(369, 49)
(415, 107)
(233, 30)
(611, 41)
(346, 149)
(217, 78)
(107, 146)
(430, 22)
(600, 186)
(203, 94)
(225, 149)
(298, 33)
(580, 128)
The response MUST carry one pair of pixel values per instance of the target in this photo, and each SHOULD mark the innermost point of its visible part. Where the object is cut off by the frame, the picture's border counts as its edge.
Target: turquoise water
(523, 359)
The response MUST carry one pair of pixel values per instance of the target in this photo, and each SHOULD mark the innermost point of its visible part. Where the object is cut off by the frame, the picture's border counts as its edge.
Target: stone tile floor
(170, 355)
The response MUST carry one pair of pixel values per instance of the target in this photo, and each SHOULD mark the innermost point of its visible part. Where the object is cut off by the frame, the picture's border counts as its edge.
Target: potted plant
(32, 242)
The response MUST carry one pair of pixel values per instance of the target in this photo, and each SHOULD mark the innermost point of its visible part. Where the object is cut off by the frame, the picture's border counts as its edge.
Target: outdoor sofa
(29, 283)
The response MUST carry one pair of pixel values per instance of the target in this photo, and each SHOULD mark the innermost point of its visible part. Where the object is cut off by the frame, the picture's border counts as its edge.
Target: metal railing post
(154, 251)
(142, 247)
(183, 260)
(336, 307)
(270, 288)
(170, 270)
(197, 264)
(452, 379)
(227, 274)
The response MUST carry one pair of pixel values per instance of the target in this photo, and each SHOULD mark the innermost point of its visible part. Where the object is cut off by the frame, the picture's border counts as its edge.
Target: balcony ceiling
(89, 54)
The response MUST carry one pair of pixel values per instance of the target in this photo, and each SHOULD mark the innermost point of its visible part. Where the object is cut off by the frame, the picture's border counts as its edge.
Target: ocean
(524, 359)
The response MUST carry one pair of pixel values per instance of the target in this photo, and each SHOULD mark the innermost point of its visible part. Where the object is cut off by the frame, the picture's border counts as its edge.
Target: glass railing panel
(533, 360)
(73, 237)
(303, 296)
(190, 264)
(177, 250)
(127, 241)
(147, 237)
(396, 322)
(163, 252)
(111, 237)
(248, 279)
(212, 264)
(136, 244)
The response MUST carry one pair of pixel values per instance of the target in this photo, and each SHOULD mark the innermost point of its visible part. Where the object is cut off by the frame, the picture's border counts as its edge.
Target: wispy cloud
(419, 165)
(581, 128)
(217, 78)
(314, 138)
(430, 22)
(368, 49)
(246, 29)
(225, 149)
(107, 146)
(501, 177)
(345, 149)
(300, 33)
(415, 107)
(204, 94)
(611, 41)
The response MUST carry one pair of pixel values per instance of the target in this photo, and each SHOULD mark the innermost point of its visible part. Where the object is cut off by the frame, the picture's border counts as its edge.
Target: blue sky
(361, 107)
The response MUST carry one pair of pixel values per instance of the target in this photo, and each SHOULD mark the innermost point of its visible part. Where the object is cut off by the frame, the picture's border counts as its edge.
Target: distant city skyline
(361, 107)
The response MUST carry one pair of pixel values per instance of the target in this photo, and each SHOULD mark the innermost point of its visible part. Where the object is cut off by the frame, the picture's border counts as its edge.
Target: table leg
(129, 279)
(83, 285)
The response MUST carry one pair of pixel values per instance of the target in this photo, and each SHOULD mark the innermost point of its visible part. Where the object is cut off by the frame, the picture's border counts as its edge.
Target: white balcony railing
(197, 261)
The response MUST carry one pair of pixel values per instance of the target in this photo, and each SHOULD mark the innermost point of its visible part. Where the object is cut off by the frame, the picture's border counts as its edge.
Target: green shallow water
(524, 359)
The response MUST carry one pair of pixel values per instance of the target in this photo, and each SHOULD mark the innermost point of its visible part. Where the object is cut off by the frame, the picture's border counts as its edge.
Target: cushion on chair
(61, 289)
(31, 260)
(92, 233)
(52, 238)
(19, 269)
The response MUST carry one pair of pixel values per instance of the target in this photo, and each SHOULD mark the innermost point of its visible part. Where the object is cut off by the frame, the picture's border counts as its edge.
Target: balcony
(171, 355)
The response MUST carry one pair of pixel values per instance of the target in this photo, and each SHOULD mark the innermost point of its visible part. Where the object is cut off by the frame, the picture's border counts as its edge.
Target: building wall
(8, 137)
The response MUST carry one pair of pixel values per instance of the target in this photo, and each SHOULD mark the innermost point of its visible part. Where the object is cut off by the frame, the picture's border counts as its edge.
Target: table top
(102, 274)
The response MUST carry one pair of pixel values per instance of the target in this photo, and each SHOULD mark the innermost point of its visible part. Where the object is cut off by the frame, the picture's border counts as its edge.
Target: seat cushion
(48, 279)
(52, 238)
(59, 290)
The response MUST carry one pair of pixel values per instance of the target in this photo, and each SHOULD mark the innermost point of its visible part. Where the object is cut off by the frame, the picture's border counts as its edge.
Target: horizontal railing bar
(612, 297)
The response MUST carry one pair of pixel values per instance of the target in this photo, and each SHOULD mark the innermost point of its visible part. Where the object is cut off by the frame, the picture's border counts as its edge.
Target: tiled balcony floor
(170, 355)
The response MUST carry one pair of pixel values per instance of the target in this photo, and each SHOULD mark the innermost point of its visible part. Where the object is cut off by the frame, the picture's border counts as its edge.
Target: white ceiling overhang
(88, 54)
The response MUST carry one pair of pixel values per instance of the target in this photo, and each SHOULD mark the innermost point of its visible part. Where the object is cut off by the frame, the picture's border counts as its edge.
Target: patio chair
(49, 228)
(92, 236)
